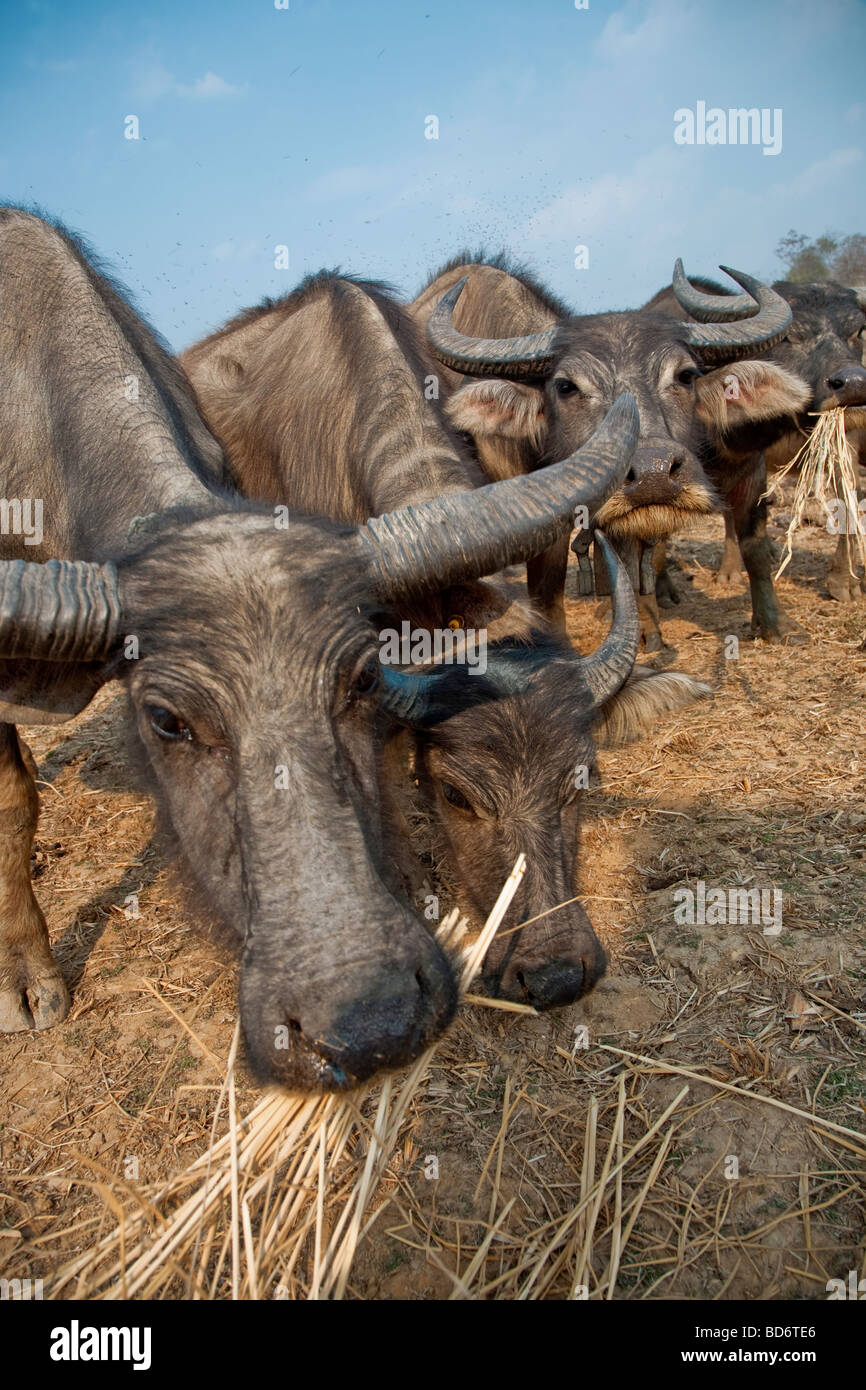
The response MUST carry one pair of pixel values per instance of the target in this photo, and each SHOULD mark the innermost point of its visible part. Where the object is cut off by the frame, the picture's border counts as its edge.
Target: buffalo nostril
(849, 385)
(676, 465)
(629, 477)
(555, 984)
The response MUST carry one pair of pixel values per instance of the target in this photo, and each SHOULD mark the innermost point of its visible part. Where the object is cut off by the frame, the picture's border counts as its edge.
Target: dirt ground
(732, 1197)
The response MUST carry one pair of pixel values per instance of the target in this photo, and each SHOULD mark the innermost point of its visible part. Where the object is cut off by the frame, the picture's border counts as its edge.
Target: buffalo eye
(455, 797)
(365, 678)
(563, 387)
(688, 376)
(169, 725)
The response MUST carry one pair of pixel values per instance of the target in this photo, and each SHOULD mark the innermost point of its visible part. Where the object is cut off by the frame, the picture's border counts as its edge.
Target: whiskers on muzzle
(621, 519)
(855, 417)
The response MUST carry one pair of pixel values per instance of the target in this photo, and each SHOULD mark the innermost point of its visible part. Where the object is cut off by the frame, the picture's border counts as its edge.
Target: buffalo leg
(651, 639)
(639, 559)
(842, 585)
(750, 521)
(667, 594)
(650, 631)
(651, 554)
(32, 991)
(732, 561)
(545, 578)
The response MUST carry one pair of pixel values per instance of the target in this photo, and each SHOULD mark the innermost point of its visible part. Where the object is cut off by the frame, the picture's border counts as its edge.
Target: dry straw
(828, 472)
(285, 1180)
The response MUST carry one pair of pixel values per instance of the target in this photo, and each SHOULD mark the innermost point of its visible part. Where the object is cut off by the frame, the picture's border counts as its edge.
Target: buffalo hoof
(651, 642)
(666, 594)
(844, 588)
(38, 999)
(765, 632)
(728, 575)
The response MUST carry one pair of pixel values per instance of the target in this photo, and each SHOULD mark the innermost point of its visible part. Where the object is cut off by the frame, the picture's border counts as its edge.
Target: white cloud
(209, 88)
(153, 81)
(816, 176)
(604, 203)
(663, 28)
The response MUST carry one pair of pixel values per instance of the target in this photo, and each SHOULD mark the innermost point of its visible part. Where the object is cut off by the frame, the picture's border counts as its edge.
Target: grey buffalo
(823, 348)
(325, 400)
(548, 376)
(248, 656)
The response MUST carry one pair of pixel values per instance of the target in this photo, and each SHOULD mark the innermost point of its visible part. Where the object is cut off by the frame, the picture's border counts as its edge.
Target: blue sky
(305, 127)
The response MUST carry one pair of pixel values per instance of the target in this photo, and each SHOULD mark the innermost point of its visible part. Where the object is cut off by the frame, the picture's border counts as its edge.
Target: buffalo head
(551, 388)
(250, 660)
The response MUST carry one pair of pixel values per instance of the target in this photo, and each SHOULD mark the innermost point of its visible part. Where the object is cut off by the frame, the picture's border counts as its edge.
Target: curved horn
(711, 308)
(422, 699)
(721, 342)
(63, 610)
(406, 696)
(860, 291)
(611, 664)
(512, 357)
(469, 534)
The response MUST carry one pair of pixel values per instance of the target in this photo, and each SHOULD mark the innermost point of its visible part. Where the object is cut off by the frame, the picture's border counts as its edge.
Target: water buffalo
(249, 658)
(548, 376)
(321, 401)
(823, 347)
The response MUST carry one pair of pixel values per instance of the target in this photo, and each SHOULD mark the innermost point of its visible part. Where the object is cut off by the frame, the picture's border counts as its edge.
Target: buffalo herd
(230, 534)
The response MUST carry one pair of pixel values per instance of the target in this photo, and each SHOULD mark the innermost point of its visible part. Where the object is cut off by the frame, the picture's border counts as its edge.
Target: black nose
(663, 460)
(848, 384)
(552, 984)
(332, 1034)
(560, 982)
(377, 1034)
(654, 472)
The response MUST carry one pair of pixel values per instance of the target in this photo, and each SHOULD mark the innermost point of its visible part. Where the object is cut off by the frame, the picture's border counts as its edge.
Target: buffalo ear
(45, 692)
(229, 369)
(746, 391)
(646, 697)
(498, 606)
(508, 409)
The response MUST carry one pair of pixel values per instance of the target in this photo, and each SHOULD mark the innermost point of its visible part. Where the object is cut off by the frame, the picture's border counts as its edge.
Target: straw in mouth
(828, 473)
(279, 1173)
